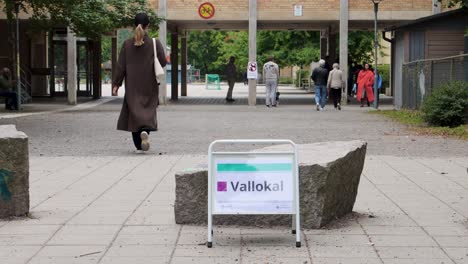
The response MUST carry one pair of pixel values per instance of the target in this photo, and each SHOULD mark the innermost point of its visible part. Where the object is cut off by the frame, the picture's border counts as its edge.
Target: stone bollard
(14, 172)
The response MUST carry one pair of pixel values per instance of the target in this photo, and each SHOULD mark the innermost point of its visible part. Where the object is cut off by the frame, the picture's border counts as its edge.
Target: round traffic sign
(206, 10)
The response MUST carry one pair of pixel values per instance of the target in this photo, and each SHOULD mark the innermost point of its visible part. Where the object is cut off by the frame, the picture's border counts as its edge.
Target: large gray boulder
(14, 172)
(329, 175)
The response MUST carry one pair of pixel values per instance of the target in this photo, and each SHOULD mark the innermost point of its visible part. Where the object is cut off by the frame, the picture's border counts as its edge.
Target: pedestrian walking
(136, 65)
(271, 80)
(6, 90)
(365, 83)
(231, 73)
(335, 85)
(320, 78)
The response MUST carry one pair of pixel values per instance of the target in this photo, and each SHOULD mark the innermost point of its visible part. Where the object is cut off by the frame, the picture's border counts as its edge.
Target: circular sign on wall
(206, 10)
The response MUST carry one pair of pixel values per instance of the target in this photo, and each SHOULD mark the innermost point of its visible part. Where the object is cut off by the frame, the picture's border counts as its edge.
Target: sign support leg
(293, 224)
(298, 212)
(209, 243)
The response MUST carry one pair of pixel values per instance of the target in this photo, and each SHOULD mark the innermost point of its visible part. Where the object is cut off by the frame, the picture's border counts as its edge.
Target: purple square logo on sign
(222, 186)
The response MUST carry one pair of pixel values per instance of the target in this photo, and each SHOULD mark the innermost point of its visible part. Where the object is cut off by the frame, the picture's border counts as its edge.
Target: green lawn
(415, 122)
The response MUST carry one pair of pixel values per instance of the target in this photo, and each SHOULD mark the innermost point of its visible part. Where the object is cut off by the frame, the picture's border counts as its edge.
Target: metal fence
(421, 77)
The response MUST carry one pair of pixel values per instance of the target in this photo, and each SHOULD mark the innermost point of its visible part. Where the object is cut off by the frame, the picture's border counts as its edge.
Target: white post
(344, 17)
(71, 68)
(253, 49)
(163, 38)
(210, 209)
(297, 197)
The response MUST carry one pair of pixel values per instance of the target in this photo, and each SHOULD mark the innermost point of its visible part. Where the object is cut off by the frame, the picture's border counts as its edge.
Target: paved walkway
(94, 201)
(120, 210)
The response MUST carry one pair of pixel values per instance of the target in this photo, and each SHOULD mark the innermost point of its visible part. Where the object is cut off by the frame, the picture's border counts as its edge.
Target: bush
(285, 80)
(304, 75)
(384, 70)
(447, 105)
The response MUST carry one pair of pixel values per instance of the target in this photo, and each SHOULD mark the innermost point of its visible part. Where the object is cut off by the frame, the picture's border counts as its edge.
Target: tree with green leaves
(457, 3)
(87, 18)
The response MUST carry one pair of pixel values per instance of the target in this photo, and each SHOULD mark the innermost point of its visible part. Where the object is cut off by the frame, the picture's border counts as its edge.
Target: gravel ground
(188, 128)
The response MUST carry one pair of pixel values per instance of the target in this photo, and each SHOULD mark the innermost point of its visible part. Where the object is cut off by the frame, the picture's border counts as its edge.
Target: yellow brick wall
(283, 9)
(392, 5)
(224, 9)
(153, 4)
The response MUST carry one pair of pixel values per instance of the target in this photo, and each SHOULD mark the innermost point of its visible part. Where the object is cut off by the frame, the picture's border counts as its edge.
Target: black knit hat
(141, 19)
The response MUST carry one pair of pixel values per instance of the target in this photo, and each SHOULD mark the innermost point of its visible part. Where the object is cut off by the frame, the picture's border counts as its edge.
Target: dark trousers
(137, 138)
(336, 95)
(11, 100)
(231, 84)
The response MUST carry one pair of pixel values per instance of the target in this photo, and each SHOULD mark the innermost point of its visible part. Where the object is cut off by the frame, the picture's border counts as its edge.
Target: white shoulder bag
(158, 69)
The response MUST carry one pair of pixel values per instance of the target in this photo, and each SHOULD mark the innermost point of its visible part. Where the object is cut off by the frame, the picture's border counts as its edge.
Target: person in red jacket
(365, 82)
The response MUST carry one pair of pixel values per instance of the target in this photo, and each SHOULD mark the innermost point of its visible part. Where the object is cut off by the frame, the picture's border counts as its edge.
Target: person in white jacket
(271, 79)
(335, 85)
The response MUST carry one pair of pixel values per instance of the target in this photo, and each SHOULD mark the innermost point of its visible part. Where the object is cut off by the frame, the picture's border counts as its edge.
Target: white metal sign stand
(253, 183)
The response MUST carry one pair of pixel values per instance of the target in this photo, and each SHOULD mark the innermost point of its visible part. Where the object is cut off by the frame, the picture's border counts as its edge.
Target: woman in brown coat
(136, 66)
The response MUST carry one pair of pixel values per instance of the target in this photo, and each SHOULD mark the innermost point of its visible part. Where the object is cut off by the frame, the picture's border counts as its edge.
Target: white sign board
(253, 184)
(298, 10)
(252, 70)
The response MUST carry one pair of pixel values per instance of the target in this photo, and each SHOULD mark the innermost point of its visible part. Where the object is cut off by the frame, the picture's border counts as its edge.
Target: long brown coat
(136, 66)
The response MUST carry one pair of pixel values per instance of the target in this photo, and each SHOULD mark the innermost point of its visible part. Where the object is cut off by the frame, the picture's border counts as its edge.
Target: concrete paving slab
(338, 240)
(347, 261)
(410, 252)
(394, 230)
(231, 252)
(275, 260)
(221, 236)
(158, 251)
(205, 260)
(452, 241)
(255, 251)
(460, 255)
(64, 260)
(402, 241)
(416, 261)
(133, 260)
(343, 252)
(84, 235)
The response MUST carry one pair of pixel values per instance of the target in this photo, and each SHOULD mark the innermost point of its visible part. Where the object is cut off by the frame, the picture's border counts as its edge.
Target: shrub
(285, 80)
(304, 75)
(384, 70)
(447, 105)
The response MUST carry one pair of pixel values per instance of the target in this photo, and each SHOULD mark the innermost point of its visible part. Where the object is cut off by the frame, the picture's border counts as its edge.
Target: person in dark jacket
(231, 73)
(320, 78)
(136, 66)
(6, 86)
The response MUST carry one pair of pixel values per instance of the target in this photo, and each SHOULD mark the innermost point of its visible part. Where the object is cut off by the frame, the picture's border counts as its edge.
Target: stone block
(329, 175)
(14, 172)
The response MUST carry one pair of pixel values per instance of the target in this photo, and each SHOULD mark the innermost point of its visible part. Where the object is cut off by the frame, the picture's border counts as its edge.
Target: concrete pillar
(436, 7)
(114, 54)
(97, 70)
(174, 65)
(323, 43)
(253, 49)
(344, 17)
(332, 48)
(163, 38)
(71, 68)
(184, 64)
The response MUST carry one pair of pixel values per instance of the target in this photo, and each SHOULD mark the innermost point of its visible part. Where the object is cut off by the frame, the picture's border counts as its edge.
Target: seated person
(6, 86)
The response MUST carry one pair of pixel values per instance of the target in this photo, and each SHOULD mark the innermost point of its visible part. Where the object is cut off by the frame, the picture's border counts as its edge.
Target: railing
(421, 77)
(25, 85)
